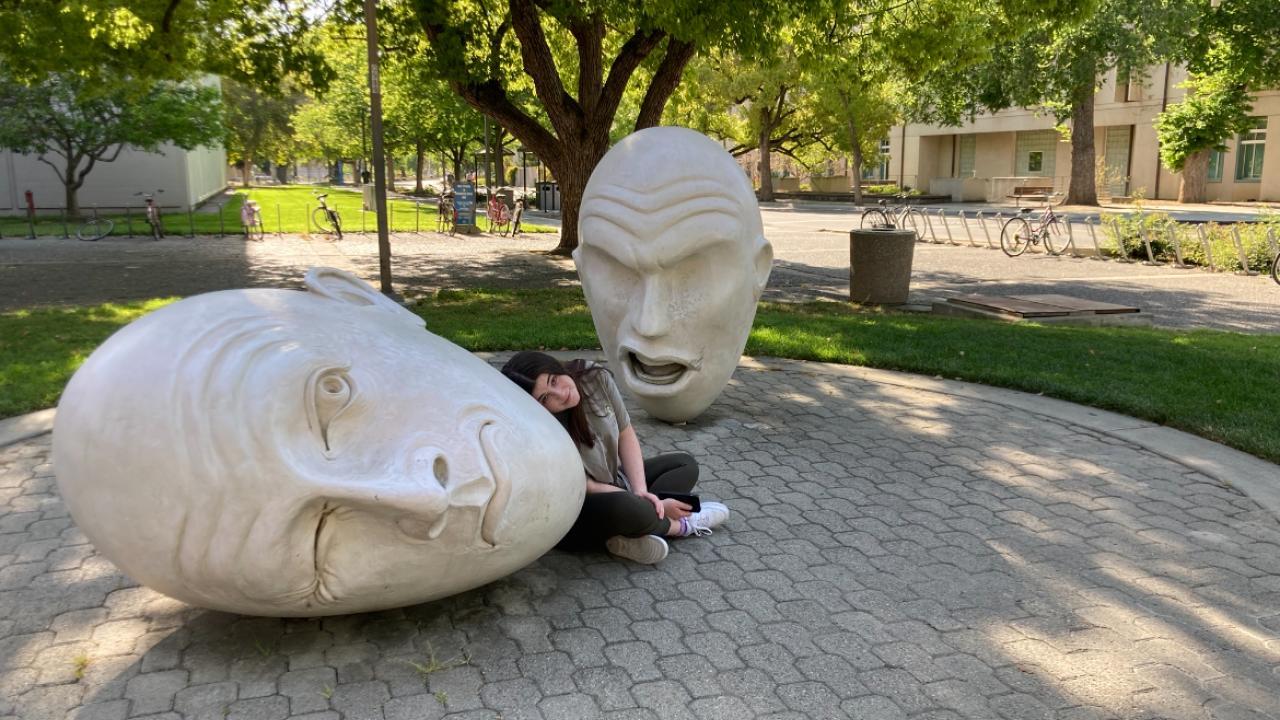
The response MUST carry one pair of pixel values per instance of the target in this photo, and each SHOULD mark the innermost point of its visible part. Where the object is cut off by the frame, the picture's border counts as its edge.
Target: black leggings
(623, 513)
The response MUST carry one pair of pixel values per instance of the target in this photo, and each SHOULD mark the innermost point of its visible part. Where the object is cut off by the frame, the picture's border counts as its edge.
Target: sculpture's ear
(763, 265)
(341, 286)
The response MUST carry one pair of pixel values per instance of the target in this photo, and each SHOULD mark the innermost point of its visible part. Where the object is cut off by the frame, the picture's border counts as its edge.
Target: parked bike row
(150, 220)
(1106, 238)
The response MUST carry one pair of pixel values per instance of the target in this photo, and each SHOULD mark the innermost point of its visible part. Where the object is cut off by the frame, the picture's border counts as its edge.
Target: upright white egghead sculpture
(672, 258)
(287, 453)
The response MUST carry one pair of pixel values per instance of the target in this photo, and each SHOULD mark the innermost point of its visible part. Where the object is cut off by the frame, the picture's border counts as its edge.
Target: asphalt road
(810, 249)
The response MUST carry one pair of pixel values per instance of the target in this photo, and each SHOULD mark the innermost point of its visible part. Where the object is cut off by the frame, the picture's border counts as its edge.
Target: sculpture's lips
(656, 374)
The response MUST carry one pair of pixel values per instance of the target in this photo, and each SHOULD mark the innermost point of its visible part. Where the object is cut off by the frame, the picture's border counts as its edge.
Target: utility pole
(379, 162)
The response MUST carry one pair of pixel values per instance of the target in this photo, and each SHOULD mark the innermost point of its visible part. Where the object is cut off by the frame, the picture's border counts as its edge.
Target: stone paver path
(893, 553)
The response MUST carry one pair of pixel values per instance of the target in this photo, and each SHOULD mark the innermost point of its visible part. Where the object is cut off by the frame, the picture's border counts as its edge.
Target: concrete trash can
(880, 265)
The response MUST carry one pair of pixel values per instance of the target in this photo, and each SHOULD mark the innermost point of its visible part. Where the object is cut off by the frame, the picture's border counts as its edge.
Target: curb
(1256, 478)
(25, 427)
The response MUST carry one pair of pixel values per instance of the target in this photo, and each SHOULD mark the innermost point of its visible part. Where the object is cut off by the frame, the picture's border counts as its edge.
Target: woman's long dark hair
(524, 368)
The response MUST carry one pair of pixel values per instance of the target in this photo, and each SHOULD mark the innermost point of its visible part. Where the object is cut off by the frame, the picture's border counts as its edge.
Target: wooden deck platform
(1041, 309)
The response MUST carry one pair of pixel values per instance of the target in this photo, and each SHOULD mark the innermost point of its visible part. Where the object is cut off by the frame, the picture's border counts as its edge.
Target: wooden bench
(1030, 192)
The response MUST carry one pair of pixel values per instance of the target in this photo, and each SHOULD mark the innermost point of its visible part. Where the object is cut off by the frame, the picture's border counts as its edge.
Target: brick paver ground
(893, 553)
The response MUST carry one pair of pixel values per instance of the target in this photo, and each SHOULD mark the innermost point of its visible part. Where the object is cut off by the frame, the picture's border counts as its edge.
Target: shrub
(1125, 231)
(1225, 254)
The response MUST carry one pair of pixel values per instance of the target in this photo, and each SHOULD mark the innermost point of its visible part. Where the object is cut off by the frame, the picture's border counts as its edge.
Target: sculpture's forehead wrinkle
(641, 218)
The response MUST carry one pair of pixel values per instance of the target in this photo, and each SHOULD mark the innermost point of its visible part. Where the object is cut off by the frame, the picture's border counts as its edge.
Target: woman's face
(555, 392)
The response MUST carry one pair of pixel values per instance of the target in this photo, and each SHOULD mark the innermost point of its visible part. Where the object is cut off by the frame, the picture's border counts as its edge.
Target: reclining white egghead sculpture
(672, 258)
(277, 452)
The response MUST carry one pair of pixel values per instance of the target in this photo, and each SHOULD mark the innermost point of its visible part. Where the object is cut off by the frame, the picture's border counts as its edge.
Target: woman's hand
(657, 504)
(676, 510)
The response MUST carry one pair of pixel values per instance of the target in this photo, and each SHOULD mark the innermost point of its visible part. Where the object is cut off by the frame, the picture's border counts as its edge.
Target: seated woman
(621, 510)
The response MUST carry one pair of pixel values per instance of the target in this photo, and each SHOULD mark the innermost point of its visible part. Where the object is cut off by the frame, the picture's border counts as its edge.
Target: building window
(1249, 151)
(1035, 152)
(878, 171)
(1217, 159)
(968, 147)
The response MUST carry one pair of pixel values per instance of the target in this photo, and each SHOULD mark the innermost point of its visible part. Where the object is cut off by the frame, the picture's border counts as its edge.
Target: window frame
(1251, 147)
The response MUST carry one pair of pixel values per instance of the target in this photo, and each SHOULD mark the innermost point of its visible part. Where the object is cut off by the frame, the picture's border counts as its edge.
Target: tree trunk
(766, 170)
(420, 155)
(1083, 189)
(1194, 187)
(72, 201)
(246, 171)
(457, 155)
(857, 159)
(498, 160)
(391, 174)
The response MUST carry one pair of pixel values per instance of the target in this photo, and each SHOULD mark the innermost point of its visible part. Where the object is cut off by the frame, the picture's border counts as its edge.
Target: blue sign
(464, 202)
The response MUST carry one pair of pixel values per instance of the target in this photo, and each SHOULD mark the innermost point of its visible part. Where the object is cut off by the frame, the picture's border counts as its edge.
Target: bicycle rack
(986, 231)
(1244, 259)
(1093, 237)
(1208, 247)
(1177, 245)
(942, 218)
(965, 222)
(1146, 241)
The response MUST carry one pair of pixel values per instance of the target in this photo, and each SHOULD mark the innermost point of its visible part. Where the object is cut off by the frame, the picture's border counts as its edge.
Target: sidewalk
(900, 547)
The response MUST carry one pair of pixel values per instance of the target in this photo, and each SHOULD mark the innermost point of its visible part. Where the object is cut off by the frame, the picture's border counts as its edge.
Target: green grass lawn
(285, 209)
(1222, 386)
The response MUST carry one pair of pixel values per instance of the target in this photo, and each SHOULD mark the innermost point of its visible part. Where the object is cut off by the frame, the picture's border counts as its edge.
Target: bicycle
(902, 215)
(251, 219)
(1019, 232)
(1275, 268)
(499, 216)
(326, 218)
(95, 229)
(152, 214)
(446, 215)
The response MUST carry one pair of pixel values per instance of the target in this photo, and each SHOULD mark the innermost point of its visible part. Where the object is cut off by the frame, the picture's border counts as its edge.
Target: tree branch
(56, 171)
(665, 81)
(540, 65)
(633, 52)
(490, 98)
(589, 34)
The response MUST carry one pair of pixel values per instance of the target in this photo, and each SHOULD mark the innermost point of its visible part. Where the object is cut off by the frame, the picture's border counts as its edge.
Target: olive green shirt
(607, 417)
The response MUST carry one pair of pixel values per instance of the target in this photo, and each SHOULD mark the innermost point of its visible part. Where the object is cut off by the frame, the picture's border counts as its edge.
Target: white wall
(185, 177)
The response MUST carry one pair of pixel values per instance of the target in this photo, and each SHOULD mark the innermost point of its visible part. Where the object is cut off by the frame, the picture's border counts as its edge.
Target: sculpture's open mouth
(664, 374)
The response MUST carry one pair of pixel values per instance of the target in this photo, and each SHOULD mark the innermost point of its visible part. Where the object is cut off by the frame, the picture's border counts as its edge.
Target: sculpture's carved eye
(329, 392)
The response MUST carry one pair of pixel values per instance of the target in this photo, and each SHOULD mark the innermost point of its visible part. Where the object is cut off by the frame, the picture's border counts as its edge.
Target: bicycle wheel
(337, 223)
(320, 219)
(157, 228)
(913, 220)
(95, 229)
(1015, 236)
(257, 232)
(1056, 241)
(874, 218)
(1275, 269)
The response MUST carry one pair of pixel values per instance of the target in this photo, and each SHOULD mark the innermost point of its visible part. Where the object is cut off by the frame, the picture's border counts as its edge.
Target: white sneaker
(711, 515)
(645, 550)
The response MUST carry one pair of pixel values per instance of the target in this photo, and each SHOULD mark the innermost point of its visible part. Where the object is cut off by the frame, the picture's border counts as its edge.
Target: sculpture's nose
(651, 317)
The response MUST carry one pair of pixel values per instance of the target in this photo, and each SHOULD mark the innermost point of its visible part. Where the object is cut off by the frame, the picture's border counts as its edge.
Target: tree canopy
(581, 57)
(71, 125)
(254, 41)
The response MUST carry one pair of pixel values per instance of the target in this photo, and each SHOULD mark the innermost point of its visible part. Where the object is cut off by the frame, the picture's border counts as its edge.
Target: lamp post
(379, 163)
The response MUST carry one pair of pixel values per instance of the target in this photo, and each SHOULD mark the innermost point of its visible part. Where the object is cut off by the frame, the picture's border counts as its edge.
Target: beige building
(985, 159)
